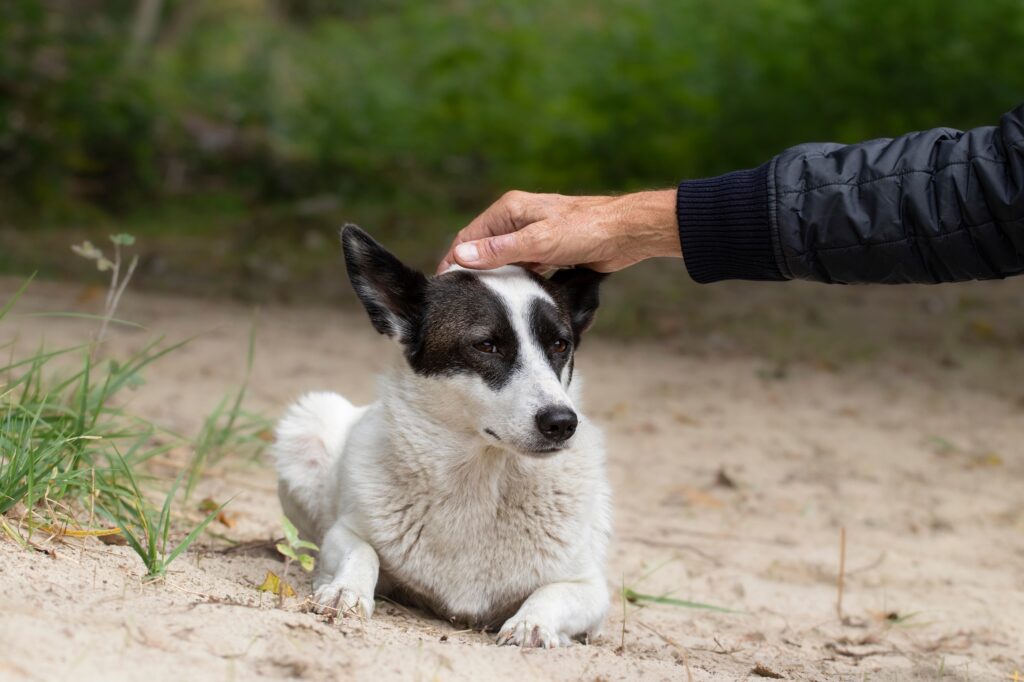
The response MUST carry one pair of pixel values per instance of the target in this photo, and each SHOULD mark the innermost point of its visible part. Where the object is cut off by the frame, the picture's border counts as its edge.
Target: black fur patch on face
(459, 313)
(549, 326)
(576, 290)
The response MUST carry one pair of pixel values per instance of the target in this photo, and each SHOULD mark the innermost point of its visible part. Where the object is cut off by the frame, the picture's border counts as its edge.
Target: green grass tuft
(68, 449)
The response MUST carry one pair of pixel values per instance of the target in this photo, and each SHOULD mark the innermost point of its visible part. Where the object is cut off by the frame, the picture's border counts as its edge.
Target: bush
(453, 102)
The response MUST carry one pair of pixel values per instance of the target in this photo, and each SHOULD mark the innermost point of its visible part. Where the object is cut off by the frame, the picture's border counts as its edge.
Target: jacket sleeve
(934, 206)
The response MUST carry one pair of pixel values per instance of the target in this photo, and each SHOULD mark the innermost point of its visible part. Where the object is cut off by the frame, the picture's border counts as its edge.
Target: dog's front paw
(337, 600)
(526, 633)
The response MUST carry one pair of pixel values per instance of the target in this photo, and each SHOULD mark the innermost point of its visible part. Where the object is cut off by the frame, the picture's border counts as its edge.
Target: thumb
(493, 252)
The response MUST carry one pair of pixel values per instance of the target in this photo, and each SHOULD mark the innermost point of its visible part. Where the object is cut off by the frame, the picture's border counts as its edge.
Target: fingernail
(467, 253)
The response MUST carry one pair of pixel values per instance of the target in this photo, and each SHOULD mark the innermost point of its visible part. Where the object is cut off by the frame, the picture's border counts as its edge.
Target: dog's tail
(310, 437)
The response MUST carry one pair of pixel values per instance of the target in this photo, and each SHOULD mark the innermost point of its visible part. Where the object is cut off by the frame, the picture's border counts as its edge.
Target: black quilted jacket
(935, 206)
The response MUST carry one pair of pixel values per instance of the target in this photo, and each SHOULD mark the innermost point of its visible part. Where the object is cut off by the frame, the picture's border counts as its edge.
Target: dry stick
(842, 573)
(622, 595)
(115, 292)
(676, 645)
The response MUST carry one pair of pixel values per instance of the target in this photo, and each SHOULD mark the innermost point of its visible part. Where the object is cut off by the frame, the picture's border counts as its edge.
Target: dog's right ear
(391, 292)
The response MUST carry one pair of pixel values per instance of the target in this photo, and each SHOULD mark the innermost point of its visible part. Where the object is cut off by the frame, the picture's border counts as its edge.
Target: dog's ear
(391, 292)
(579, 290)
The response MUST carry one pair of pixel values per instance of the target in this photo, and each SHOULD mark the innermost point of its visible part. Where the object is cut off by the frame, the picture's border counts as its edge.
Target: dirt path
(731, 483)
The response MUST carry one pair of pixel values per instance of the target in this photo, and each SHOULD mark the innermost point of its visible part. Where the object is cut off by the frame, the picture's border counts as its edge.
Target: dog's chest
(473, 547)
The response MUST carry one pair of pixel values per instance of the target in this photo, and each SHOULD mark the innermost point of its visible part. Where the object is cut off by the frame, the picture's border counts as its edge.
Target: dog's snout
(557, 423)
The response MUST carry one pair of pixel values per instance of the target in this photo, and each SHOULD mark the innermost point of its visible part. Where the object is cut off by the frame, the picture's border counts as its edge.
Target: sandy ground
(732, 482)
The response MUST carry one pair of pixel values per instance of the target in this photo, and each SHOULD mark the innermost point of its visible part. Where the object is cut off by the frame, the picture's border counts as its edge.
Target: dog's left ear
(391, 292)
(579, 289)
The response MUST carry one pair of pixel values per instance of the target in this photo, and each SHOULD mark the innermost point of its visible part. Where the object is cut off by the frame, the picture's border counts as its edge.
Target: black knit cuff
(724, 227)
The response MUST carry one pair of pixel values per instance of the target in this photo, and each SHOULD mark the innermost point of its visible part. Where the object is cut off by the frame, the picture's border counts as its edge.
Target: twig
(116, 290)
(840, 579)
(622, 595)
(672, 643)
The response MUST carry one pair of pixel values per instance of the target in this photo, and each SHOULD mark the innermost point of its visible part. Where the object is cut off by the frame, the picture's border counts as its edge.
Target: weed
(292, 549)
(68, 449)
(147, 532)
(118, 283)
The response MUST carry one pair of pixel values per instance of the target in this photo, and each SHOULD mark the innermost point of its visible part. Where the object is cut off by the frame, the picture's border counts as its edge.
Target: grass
(69, 451)
(634, 597)
(147, 531)
(228, 428)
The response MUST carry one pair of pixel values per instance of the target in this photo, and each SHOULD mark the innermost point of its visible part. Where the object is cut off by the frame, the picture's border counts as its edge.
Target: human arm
(934, 206)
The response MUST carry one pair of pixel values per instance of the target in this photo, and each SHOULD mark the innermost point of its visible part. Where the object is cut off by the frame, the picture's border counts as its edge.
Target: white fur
(410, 494)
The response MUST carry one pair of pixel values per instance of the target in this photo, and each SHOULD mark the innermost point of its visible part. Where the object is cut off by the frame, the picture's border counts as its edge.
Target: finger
(529, 245)
(445, 263)
(484, 254)
(513, 211)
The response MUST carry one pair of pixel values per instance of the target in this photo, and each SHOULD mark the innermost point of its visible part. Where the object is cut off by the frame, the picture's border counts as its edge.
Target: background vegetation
(250, 126)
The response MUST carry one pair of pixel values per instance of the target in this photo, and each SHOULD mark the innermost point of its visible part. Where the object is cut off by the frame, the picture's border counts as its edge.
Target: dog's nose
(557, 423)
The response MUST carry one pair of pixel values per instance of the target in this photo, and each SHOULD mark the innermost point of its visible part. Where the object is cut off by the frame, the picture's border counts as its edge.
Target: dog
(473, 488)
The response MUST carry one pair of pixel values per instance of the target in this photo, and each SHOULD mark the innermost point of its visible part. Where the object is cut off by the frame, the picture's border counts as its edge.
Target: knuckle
(514, 201)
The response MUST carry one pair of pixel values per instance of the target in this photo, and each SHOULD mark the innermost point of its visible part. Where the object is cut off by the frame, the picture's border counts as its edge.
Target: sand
(732, 484)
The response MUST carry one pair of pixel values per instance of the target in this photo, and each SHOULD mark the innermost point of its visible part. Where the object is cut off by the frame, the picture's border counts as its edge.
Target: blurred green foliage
(450, 102)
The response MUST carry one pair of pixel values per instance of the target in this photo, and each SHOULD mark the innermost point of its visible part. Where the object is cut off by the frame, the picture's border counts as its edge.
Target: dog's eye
(486, 346)
(560, 346)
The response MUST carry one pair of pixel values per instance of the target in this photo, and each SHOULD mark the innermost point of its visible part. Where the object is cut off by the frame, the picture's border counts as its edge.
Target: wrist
(652, 223)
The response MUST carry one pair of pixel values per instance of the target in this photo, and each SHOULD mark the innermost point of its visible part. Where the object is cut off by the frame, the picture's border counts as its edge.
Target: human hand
(547, 231)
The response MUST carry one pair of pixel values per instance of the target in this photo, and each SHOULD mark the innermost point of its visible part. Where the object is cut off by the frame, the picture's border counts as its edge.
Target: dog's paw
(526, 633)
(337, 600)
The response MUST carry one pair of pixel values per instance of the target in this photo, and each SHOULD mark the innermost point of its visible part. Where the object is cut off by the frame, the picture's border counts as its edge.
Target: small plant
(118, 283)
(147, 532)
(59, 437)
(68, 450)
(292, 545)
(292, 550)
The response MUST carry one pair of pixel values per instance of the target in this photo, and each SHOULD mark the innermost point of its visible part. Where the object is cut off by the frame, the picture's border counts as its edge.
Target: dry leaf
(115, 539)
(990, 459)
(273, 584)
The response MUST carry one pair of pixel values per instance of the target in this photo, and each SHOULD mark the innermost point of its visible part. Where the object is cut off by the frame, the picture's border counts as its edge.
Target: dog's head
(502, 341)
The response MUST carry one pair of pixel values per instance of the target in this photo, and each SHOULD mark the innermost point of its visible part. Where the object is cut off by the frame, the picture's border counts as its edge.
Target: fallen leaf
(983, 329)
(273, 584)
(989, 459)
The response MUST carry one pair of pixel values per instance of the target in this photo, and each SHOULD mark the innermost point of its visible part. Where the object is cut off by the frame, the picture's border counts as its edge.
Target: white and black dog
(473, 488)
